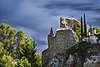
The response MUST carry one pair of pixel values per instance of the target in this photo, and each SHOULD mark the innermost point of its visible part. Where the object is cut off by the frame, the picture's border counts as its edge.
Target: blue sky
(36, 17)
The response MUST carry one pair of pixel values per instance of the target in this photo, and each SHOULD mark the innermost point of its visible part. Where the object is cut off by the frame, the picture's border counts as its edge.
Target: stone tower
(58, 43)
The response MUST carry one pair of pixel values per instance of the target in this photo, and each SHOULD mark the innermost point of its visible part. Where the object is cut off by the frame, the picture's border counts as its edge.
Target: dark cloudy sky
(36, 17)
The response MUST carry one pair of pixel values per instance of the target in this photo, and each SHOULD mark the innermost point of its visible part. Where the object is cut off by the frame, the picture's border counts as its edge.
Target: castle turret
(51, 32)
(51, 39)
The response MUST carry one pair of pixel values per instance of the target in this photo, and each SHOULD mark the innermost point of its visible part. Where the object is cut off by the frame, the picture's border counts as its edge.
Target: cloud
(36, 17)
(69, 4)
(30, 16)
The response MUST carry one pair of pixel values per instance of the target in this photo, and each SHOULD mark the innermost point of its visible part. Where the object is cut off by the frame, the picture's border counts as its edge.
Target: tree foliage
(23, 63)
(7, 37)
(26, 47)
(2, 50)
(39, 60)
(85, 27)
(97, 29)
(6, 61)
(16, 45)
(81, 27)
(77, 29)
(81, 50)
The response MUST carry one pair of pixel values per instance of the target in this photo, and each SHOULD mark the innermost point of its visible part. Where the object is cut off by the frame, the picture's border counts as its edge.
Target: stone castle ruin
(58, 44)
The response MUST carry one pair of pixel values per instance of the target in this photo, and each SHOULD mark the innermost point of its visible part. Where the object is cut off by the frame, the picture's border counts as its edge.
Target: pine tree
(7, 37)
(85, 27)
(26, 48)
(16, 45)
(81, 27)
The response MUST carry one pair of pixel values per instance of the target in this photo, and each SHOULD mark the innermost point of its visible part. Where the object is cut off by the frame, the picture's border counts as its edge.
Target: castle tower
(51, 39)
(51, 32)
(59, 43)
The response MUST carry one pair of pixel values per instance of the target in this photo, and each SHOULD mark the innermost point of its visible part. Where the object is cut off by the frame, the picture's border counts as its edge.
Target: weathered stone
(58, 44)
(93, 56)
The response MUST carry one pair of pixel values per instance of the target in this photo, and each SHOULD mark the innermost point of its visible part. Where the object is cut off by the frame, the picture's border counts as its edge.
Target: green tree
(39, 60)
(7, 37)
(2, 50)
(23, 63)
(6, 61)
(16, 45)
(77, 29)
(20, 43)
(81, 49)
(81, 27)
(85, 27)
(91, 30)
(26, 48)
(97, 29)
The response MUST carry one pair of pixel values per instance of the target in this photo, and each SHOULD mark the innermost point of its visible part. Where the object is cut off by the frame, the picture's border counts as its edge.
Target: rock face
(58, 43)
(93, 56)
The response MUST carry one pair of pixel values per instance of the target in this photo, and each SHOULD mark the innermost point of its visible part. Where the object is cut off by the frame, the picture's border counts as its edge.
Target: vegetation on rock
(77, 29)
(80, 49)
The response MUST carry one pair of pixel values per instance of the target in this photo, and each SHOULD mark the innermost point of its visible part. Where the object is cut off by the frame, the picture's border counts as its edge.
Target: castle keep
(59, 42)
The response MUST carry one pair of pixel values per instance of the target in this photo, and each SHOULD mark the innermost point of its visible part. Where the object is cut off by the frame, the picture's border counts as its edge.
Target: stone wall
(58, 45)
(64, 39)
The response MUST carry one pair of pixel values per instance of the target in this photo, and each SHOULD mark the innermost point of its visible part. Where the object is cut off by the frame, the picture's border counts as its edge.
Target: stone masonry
(58, 43)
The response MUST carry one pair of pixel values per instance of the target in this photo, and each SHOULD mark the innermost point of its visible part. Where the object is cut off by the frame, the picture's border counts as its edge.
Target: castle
(59, 43)
(65, 37)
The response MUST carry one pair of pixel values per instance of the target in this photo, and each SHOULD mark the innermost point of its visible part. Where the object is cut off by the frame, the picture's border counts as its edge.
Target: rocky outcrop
(93, 56)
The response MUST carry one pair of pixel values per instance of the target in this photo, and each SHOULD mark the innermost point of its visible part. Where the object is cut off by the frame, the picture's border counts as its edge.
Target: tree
(26, 48)
(2, 50)
(77, 29)
(81, 49)
(20, 43)
(23, 63)
(91, 30)
(39, 60)
(16, 45)
(97, 29)
(6, 61)
(81, 27)
(85, 27)
(7, 37)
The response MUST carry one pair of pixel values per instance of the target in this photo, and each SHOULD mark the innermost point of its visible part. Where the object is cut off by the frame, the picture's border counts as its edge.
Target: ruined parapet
(64, 40)
(67, 23)
(59, 42)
